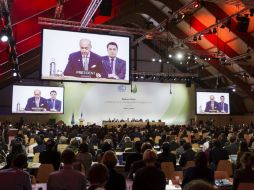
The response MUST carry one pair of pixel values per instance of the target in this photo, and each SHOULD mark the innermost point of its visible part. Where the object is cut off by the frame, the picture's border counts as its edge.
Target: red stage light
(196, 4)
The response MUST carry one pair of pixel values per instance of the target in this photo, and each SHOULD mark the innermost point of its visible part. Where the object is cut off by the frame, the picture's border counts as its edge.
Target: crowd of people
(90, 156)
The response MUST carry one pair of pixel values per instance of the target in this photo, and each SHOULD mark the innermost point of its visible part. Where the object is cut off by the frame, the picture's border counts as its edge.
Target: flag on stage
(72, 119)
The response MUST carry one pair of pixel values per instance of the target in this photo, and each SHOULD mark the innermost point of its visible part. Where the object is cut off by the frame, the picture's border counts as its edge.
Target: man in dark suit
(212, 105)
(84, 63)
(114, 67)
(223, 107)
(36, 103)
(53, 103)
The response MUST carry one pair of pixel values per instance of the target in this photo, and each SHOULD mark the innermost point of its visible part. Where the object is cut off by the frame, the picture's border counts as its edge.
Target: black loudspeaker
(188, 83)
(105, 8)
(243, 23)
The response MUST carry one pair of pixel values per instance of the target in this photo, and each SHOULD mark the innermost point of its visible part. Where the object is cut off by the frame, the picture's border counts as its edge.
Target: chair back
(36, 157)
(225, 165)
(190, 163)
(157, 139)
(245, 186)
(221, 175)
(167, 168)
(43, 173)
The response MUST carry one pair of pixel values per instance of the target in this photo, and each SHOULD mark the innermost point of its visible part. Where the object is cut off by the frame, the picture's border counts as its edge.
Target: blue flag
(72, 119)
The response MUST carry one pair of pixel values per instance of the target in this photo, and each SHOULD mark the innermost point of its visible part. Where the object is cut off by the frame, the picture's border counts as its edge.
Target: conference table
(111, 124)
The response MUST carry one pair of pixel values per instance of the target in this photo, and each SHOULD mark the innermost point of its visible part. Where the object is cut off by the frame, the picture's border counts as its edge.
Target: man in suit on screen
(53, 103)
(223, 107)
(114, 67)
(36, 103)
(84, 63)
(212, 105)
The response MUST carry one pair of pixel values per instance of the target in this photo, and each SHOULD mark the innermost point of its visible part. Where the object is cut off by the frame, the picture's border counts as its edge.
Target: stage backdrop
(153, 101)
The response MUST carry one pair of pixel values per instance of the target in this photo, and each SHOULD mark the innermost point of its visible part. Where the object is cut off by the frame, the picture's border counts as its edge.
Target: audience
(99, 140)
(242, 149)
(198, 185)
(216, 154)
(149, 177)
(139, 163)
(199, 171)
(166, 155)
(135, 156)
(67, 178)
(84, 157)
(246, 174)
(14, 178)
(98, 176)
(50, 156)
(116, 181)
(187, 155)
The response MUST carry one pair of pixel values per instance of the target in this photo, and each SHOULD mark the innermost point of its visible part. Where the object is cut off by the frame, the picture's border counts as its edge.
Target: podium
(81, 121)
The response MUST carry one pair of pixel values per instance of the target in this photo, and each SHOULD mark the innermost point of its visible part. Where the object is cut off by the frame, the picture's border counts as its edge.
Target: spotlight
(209, 59)
(160, 60)
(189, 57)
(153, 59)
(196, 58)
(234, 90)
(4, 38)
(14, 73)
(179, 56)
(170, 55)
(196, 4)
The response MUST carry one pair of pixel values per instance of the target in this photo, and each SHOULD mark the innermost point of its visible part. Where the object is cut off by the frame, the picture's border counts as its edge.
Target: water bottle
(18, 107)
(52, 71)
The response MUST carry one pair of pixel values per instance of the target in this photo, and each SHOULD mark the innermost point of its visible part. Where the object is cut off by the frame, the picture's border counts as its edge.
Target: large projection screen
(62, 60)
(212, 103)
(24, 101)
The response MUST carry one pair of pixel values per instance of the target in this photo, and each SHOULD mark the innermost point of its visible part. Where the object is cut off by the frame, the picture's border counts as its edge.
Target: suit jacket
(14, 179)
(188, 155)
(209, 107)
(221, 107)
(75, 66)
(67, 178)
(120, 67)
(58, 104)
(243, 176)
(198, 172)
(31, 104)
(116, 181)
